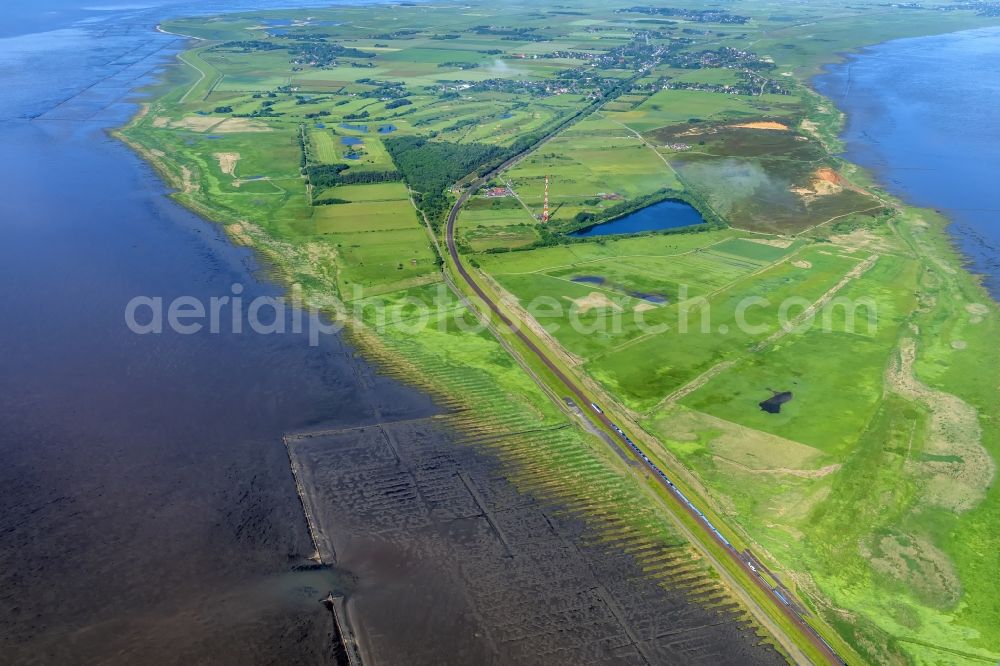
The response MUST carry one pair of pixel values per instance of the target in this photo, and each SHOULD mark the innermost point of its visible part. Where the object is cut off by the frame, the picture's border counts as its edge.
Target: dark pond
(589, 279)
(354, 128)
(351, 141)
(668, 214)
(773, 404)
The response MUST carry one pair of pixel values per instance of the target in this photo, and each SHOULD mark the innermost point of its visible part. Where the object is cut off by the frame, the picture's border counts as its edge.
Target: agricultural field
(497, 222)
(680, 311)
(807, 357)
(591, 167)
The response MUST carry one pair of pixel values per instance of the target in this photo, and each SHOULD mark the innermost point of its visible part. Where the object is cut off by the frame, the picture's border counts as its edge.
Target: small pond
(773, 404)
(668, 214)
(659, 299)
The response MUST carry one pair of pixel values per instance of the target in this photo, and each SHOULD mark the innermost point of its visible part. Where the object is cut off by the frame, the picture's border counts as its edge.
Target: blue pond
(320, 125)
(504, 116)
(386, 129)
(589, 279)
(664, 215)
(351, 141)
(647, 296)
(354, 128)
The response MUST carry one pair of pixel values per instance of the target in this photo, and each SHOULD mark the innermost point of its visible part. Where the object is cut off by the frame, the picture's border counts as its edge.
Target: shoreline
(159, 28)
(900, 200)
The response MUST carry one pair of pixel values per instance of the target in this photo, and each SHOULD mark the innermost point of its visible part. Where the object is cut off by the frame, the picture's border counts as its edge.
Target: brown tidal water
(149, 512)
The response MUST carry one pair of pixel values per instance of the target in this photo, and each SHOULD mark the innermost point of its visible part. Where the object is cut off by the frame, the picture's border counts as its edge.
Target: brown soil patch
(213, 123)
(828, 175)
(157, 153)
(977, 309)
(187, 181)
(802, 263)
(809, 127)
(863, 239)
(227, 162)
(233, 125)
(160, 121)
(595, 300)
(959, 344)
(783, 243)
(643, 307)
(196, 123)
(239, 234)
(696, 131)
(825, 182)
(959, 478)
(764, 125)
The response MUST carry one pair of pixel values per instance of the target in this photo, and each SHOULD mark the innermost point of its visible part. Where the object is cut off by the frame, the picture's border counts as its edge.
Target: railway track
(744, 561)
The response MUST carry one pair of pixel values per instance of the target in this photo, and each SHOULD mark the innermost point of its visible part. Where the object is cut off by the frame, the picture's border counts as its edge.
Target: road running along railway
(743, 562)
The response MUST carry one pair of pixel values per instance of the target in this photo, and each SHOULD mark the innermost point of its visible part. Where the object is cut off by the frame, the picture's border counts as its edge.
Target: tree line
(429, 167)
(330, 175)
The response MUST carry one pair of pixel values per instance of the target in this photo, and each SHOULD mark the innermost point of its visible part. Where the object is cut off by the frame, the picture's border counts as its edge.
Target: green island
(853, 461)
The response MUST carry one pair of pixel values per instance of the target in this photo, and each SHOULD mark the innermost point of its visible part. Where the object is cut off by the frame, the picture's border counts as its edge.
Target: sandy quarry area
(595, 300)
(227, 162)
(764, 125)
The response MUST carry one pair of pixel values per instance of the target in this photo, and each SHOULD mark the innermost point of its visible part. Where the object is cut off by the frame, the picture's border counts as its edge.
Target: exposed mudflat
(455, 566)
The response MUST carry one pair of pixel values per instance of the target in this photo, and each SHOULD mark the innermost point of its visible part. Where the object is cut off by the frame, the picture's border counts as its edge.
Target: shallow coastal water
(922, 114)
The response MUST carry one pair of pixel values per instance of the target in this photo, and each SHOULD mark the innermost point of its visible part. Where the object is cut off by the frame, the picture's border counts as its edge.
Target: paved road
(586, 404)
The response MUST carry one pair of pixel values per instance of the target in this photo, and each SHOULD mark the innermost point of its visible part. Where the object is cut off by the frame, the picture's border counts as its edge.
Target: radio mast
(545, 204)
